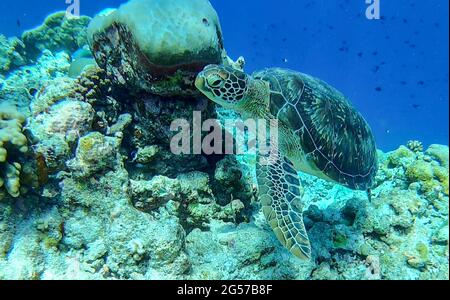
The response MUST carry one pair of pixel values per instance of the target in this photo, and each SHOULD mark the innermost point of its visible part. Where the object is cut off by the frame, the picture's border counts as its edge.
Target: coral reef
(20, 86)
(415, 146)
(157, 46)
(11, 54)
(439, 153)
(189, 197)
(58, 129)
(12, 143)
(113, 226)
(58, 33)
(52, 92)
(111, 201)
(231, 180)
(95, 152)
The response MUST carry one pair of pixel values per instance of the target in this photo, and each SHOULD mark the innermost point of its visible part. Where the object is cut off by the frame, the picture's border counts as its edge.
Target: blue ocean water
(394, 70)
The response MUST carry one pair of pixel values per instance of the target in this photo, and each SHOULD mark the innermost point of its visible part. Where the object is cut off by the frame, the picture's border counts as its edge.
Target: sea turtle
(319, 131)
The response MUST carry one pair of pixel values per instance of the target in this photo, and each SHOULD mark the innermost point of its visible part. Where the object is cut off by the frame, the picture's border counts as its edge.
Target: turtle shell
(336, 141)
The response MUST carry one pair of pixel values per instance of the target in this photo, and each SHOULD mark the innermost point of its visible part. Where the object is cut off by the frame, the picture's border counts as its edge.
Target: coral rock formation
(115, 203)
(95, 152)
(11, 54)
(157, 45)
(57, 130)
(12, 143)
(415, 146)
(56, 34)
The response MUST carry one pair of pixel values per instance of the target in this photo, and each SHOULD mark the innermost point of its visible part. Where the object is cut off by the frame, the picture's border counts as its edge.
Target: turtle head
(223, 85)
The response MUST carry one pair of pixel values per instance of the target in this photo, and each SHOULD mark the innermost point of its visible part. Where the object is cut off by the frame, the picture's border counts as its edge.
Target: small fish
(79, 65)
(18, 23)
(106, 12)
(378, 89)
(285, 60)
(415, 106)
(133, 155)
(82, 53)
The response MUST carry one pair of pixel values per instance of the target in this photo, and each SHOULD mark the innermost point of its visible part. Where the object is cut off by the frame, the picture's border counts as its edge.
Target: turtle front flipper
(280, 196)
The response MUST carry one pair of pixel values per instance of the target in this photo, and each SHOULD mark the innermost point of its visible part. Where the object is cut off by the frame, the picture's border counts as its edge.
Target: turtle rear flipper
(280, 196)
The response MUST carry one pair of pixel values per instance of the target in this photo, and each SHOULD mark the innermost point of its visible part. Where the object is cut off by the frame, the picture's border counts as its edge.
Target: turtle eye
(214, 82)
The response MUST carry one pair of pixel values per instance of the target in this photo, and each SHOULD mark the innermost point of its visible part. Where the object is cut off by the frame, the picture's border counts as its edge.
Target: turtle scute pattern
(334, 136)
(234, 87)
(280, 196)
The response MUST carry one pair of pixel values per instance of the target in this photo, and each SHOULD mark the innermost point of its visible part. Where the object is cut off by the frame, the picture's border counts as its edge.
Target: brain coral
(157, 45)
(12, 142)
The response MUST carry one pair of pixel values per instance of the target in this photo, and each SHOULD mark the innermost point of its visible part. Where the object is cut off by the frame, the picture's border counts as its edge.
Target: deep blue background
(394, 70)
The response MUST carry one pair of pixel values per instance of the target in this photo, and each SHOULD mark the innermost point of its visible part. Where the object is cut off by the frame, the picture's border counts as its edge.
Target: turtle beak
(201, 85)
(200, 81)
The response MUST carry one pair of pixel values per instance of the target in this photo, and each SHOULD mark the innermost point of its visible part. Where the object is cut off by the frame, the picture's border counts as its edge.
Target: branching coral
(415, 146)
(93, 84)
(12, 143)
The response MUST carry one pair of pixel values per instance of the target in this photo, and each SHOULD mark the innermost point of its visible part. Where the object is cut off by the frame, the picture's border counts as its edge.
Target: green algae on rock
(157, 45)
